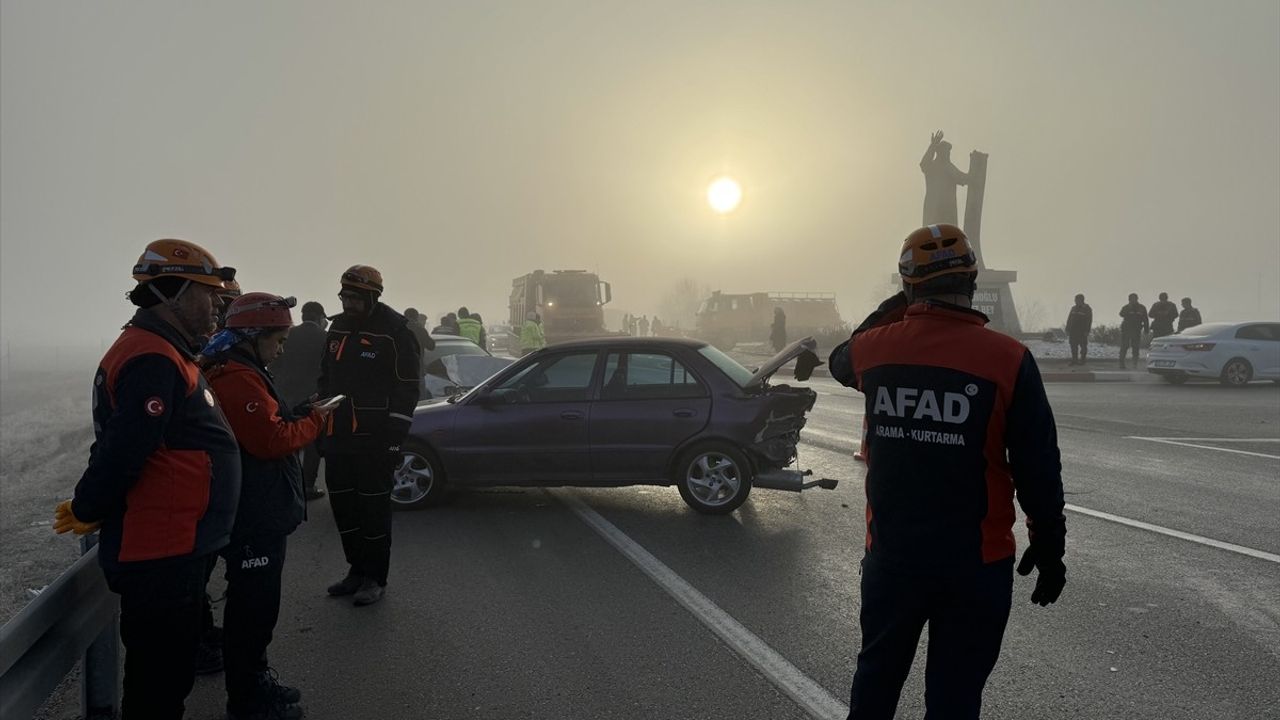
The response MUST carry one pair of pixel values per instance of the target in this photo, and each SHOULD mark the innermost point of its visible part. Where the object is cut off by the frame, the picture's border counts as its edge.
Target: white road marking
(1221, 440)
(1200, 539)
(1230, 547)
(787, 677)
(1171, 441)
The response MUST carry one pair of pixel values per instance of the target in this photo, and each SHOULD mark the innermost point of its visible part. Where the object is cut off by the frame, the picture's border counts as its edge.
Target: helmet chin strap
(167, 300)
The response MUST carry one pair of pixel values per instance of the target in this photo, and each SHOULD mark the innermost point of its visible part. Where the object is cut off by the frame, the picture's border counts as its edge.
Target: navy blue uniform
(957, 421)
(374, 361)
(163, 479)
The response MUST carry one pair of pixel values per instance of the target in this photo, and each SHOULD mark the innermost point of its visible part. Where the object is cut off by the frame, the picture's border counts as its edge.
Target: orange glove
(64, 520)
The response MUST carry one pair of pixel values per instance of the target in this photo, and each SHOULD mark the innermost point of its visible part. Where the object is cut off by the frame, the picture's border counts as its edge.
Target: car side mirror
(500, 396)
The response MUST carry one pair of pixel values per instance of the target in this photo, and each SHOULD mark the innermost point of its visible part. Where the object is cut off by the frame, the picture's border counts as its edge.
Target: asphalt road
(623, 603)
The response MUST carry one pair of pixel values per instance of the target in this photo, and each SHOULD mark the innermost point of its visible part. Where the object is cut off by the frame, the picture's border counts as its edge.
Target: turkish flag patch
(154, 406)
(251, 406)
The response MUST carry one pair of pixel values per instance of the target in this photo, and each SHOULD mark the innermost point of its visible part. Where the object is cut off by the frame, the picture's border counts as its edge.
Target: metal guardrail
(76, 618)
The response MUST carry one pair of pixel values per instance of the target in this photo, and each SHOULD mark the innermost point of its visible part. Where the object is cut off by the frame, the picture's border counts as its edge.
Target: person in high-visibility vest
(531, 335)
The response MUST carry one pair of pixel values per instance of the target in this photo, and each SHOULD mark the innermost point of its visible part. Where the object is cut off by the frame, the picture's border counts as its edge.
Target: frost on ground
(45, 433)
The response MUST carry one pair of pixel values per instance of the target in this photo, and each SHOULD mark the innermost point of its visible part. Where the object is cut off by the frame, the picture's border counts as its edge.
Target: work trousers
(360, 495)
(254, 566)
(1130, 338)
(160, 611)
(1079, 348)
(966, 614)
(310, 466)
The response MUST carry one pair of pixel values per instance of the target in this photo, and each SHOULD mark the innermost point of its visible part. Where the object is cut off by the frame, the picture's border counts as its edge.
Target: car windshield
(727, 365)
(1205, 330)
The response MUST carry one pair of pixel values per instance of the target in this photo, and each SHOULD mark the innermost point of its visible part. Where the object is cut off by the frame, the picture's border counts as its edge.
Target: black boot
(347, 585)
(369, 593)
(209, 653)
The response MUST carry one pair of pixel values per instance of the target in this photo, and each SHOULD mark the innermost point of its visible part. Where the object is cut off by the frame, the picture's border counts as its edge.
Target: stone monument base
(994, 298)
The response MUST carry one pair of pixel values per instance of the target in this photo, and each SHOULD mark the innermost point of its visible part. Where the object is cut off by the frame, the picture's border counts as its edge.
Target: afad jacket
(957, 423)
(164, 470)
(272, 500)
(376, 362)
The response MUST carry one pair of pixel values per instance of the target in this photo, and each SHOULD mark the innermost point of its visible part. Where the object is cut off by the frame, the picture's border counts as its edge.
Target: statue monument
(994, 296)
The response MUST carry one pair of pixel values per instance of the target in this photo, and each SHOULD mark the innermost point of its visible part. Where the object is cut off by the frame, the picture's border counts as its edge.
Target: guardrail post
(100, 674)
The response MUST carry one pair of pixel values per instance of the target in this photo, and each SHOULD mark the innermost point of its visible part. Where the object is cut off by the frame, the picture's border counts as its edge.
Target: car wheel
(1174, 378)
(418, 480)
(713, 478)
(1237, 372)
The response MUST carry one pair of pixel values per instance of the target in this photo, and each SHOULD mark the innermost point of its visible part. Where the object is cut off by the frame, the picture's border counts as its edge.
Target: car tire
(1236, 373)
(713, 478)
(1174, 378)
(418, 480)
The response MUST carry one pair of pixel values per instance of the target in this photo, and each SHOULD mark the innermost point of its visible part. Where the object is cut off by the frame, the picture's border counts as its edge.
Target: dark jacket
(1079, 321)
(1188, 318)
(1134, 316)
(375, 361)
(957, 422)
(298, 367)
(1162, 314)
(271, 495)
(424, 338)
(164, 469)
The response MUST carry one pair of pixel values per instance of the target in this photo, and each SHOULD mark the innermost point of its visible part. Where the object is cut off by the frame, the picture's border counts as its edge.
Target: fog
(1133, 148)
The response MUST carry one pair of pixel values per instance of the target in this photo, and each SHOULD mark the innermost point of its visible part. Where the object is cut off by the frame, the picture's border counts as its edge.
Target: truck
(726, 319)
(570, 302)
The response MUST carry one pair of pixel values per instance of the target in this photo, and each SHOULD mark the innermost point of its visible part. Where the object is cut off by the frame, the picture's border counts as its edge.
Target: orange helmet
(260, 310)
(363, 277)
(934, 251)
(181, 259)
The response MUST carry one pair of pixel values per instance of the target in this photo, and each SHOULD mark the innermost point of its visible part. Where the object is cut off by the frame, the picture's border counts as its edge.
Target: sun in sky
(723, 194)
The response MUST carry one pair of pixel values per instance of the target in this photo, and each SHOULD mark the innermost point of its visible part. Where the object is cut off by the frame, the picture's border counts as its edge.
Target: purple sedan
(611, 412)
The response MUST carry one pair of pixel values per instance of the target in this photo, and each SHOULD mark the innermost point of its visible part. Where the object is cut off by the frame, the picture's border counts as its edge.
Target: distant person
(469, 327)
(418, 325)
(643, 326)
(162, 516)
(657, 327)
(272, 503)
(448, 325)
(532, 338)
(778, 331)
(226, 296)
(296, 372)
(374, 360)
(1133, 324)
(1162, 314)
(1079, 324)
(1189, 317)
(484, 335)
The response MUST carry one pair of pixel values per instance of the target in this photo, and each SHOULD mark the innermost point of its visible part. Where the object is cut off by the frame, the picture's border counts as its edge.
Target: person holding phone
(272, 501)
(373, 357)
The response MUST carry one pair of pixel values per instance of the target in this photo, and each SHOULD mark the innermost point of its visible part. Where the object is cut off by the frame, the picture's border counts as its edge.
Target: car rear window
(431, 358)
(727, 365)
(1205, 330)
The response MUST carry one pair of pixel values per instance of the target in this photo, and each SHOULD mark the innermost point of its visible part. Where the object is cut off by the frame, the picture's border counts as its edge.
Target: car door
(1253, 344)
(531, 429)
(649, 403)
(1270, 353)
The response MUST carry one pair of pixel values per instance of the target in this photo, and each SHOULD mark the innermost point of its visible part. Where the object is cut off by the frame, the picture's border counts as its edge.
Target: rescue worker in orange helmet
(957, 423)
(371, 356)
(163, 474)
(272, 503)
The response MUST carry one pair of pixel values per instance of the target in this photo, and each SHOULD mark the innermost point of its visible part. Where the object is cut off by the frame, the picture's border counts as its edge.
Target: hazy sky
(1134, 146)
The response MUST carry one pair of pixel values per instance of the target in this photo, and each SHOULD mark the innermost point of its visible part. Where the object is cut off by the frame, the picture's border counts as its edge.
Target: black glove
(1052, 576)
(805, 365)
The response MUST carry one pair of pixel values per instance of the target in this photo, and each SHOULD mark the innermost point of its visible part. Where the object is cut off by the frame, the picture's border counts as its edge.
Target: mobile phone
(332, 402)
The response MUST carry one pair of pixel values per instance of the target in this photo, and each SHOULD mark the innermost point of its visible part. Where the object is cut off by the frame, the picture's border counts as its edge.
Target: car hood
(789, 353)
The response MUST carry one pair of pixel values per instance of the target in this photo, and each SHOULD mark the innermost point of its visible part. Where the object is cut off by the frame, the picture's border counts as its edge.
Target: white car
(1233, 353)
